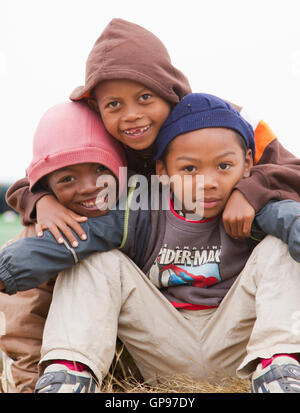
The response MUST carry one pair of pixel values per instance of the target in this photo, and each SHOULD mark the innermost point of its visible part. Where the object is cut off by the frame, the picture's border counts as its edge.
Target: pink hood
(71, 133)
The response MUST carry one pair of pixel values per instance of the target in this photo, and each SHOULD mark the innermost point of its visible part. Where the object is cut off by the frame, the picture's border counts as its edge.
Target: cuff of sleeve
(254, 190)
(294, 240)
(30, 216)
(8, 281)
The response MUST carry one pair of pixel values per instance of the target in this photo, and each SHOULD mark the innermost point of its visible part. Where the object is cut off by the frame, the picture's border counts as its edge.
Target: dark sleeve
(276, 176)
(29, 262)
(22, 200)
(282, 219)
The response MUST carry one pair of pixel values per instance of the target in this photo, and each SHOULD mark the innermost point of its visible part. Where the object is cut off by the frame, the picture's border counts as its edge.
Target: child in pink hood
(71, 151)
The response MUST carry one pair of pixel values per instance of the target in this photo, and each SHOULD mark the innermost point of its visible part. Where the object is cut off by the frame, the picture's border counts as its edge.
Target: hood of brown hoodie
(126, 50)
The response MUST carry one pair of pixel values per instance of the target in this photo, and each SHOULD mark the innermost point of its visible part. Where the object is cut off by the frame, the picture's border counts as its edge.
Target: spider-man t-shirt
(197, 262)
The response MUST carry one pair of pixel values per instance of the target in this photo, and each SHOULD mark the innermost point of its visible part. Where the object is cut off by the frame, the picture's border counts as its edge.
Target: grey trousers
(107, 295)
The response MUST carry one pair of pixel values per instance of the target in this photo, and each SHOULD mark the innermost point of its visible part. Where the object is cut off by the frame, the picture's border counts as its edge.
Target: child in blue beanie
(195, 141)
(184, 297)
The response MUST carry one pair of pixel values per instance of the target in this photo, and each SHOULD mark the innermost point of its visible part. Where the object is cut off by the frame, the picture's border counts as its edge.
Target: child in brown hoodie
(129, 54)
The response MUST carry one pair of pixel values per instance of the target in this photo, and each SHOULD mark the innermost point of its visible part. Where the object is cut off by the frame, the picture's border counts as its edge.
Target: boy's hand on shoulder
(56, 218)
(238, 216)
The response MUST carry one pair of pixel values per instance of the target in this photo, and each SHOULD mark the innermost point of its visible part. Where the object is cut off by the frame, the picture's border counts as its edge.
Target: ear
(248, 163)
(161, 172)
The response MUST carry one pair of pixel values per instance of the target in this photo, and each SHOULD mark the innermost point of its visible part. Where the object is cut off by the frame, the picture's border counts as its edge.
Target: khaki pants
(106, 296)
(22, 319)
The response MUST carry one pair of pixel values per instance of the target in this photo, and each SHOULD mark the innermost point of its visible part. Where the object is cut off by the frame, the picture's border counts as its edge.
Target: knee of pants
(110, 272)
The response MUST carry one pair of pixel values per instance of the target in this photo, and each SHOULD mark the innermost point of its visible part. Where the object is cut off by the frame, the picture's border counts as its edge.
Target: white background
(246, 51)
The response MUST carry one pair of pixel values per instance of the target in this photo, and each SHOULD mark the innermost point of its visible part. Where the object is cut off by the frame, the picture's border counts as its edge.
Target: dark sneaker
(57, 378)
(281, 376)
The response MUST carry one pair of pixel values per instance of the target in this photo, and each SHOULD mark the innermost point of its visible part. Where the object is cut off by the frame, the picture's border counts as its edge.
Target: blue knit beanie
(199, 111)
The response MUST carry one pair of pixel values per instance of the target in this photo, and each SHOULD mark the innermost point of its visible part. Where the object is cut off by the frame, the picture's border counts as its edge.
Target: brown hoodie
(126, 50)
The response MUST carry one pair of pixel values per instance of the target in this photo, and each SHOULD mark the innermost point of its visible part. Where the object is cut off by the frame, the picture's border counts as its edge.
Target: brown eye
(224, 166)
(189, 168)
(145, 97)
(66, 179)
(113, 105)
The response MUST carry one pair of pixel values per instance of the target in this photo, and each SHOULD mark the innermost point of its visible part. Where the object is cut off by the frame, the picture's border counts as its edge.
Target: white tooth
(137, 133)
(88, 204)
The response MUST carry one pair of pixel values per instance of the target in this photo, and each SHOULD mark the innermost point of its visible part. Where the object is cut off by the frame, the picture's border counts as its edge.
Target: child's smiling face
(212, 153)
(76, 188)
(131, 112)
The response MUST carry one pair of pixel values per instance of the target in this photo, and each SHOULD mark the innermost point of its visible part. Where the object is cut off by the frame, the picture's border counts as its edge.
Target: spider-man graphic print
(174, 267)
